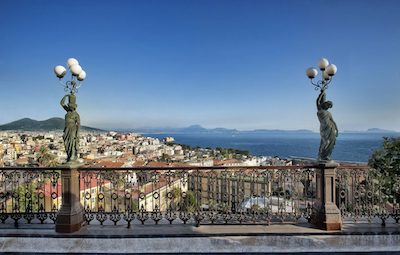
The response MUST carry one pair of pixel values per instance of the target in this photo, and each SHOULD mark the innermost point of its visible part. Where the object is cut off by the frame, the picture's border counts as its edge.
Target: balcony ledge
(276, 238)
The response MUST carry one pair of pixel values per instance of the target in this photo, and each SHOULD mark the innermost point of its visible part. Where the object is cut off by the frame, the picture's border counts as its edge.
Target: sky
(233, 64)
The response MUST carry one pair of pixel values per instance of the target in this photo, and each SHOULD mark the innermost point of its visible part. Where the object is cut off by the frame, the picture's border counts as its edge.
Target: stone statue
(328, 128)
(71, 129)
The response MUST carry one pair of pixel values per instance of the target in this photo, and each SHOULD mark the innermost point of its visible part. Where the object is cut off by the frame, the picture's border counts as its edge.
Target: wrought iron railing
(198, 195)
(29, 195)
(365, 195)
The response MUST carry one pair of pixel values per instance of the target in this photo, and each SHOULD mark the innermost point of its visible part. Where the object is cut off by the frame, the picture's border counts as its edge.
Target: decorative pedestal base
(70, 217)
(326, 215)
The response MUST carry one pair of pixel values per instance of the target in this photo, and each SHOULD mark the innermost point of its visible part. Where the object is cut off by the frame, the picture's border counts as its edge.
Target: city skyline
(230, 64)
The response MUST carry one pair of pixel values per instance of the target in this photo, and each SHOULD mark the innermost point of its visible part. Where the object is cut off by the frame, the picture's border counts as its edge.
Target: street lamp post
(328, 127)
(327, 73)
(326, 214)
(77, 75)
(70, 216)
(72, 119)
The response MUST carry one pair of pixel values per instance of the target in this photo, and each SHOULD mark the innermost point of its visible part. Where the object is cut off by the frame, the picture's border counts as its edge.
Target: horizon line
(201, 126)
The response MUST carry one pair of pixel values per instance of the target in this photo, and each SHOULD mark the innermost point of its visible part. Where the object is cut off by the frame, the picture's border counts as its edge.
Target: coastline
(350, 147)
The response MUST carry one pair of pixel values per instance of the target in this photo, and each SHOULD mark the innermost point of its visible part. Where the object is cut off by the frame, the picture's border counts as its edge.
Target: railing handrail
(199, 194)
(150, 168)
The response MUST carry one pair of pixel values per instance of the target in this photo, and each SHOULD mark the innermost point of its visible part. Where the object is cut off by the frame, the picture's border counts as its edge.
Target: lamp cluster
(77, 74)
(328, 71)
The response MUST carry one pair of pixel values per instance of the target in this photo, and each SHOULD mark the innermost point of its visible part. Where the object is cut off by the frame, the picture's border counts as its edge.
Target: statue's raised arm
(321, 99)
(62, 103)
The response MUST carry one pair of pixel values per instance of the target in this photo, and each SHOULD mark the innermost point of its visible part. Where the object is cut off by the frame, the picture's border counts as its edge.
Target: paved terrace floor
(249, 239)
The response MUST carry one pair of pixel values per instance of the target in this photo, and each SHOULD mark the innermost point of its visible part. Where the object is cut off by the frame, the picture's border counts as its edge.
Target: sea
(350, 147)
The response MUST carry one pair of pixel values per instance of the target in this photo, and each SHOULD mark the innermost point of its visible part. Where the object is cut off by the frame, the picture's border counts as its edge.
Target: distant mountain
(193, 129)
(199, 129)
(27, 124)
(379, 130)
(196, 129)
(374, 130)
(278, 131)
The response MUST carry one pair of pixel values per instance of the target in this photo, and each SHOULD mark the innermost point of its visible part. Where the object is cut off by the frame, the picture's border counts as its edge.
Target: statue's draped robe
(71, 139)
(328, 134)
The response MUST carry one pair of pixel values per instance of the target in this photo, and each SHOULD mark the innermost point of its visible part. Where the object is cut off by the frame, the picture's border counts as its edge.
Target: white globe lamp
(326, 76)
(76, 70)
(311, 73)
(71, 62)
(323, 63)
(82, 76)
(60, 71)
(331, 69)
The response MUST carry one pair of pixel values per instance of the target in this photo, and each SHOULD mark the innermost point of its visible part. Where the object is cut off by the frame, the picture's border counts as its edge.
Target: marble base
(327, 217)
(70, 217)
(389, 244)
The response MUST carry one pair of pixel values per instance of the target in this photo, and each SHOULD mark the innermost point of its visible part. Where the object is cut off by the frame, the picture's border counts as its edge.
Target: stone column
(71, 215)
(326, 215)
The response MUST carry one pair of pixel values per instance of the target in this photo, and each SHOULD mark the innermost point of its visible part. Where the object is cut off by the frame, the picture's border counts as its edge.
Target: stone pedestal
(326, 215)
(71, 215)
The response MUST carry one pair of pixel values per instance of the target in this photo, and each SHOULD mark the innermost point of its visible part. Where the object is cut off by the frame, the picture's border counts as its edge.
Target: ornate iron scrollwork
(219, 195)
(29, 195)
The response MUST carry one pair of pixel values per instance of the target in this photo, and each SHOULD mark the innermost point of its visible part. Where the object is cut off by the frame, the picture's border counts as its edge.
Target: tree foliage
(386, 161)
(45, 158)
(189, 202)
(28, 198)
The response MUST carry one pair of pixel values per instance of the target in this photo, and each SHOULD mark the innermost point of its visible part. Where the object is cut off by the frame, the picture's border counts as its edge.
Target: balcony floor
(276, 238)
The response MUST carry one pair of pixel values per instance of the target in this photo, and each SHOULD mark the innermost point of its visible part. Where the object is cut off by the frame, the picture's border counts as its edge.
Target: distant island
(379, 130)
(27, 124)
(374, 130)
(196, 129)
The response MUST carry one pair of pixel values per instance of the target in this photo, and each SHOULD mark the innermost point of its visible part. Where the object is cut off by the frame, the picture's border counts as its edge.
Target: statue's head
(326, 105)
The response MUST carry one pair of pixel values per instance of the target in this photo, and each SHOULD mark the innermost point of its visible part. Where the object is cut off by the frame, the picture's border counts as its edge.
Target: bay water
(351, 147)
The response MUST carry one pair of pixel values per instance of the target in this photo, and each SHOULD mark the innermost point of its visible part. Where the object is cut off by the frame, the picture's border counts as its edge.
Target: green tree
(176, 197)
(189, 202)
(165, 158)
(45, 158)
(25, 198)
(386, 161)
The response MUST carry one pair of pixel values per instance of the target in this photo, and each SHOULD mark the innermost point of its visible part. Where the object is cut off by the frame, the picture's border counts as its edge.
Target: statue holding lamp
(72, 119)
(328, 127)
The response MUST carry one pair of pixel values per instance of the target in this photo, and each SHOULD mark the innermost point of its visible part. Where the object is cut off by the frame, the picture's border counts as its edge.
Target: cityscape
(200, 127)
(112, 149)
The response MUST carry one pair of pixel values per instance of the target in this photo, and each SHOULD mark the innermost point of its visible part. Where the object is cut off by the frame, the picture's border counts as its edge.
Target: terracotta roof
(158, 164)
(139, 163)
(226, 161)
(109, 164)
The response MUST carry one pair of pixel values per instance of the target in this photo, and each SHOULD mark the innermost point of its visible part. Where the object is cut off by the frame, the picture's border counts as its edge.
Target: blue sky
(234, 64)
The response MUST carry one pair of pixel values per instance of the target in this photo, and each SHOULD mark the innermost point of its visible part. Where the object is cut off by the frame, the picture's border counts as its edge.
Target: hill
(27, 124)
(196, 129)
(379, 130)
